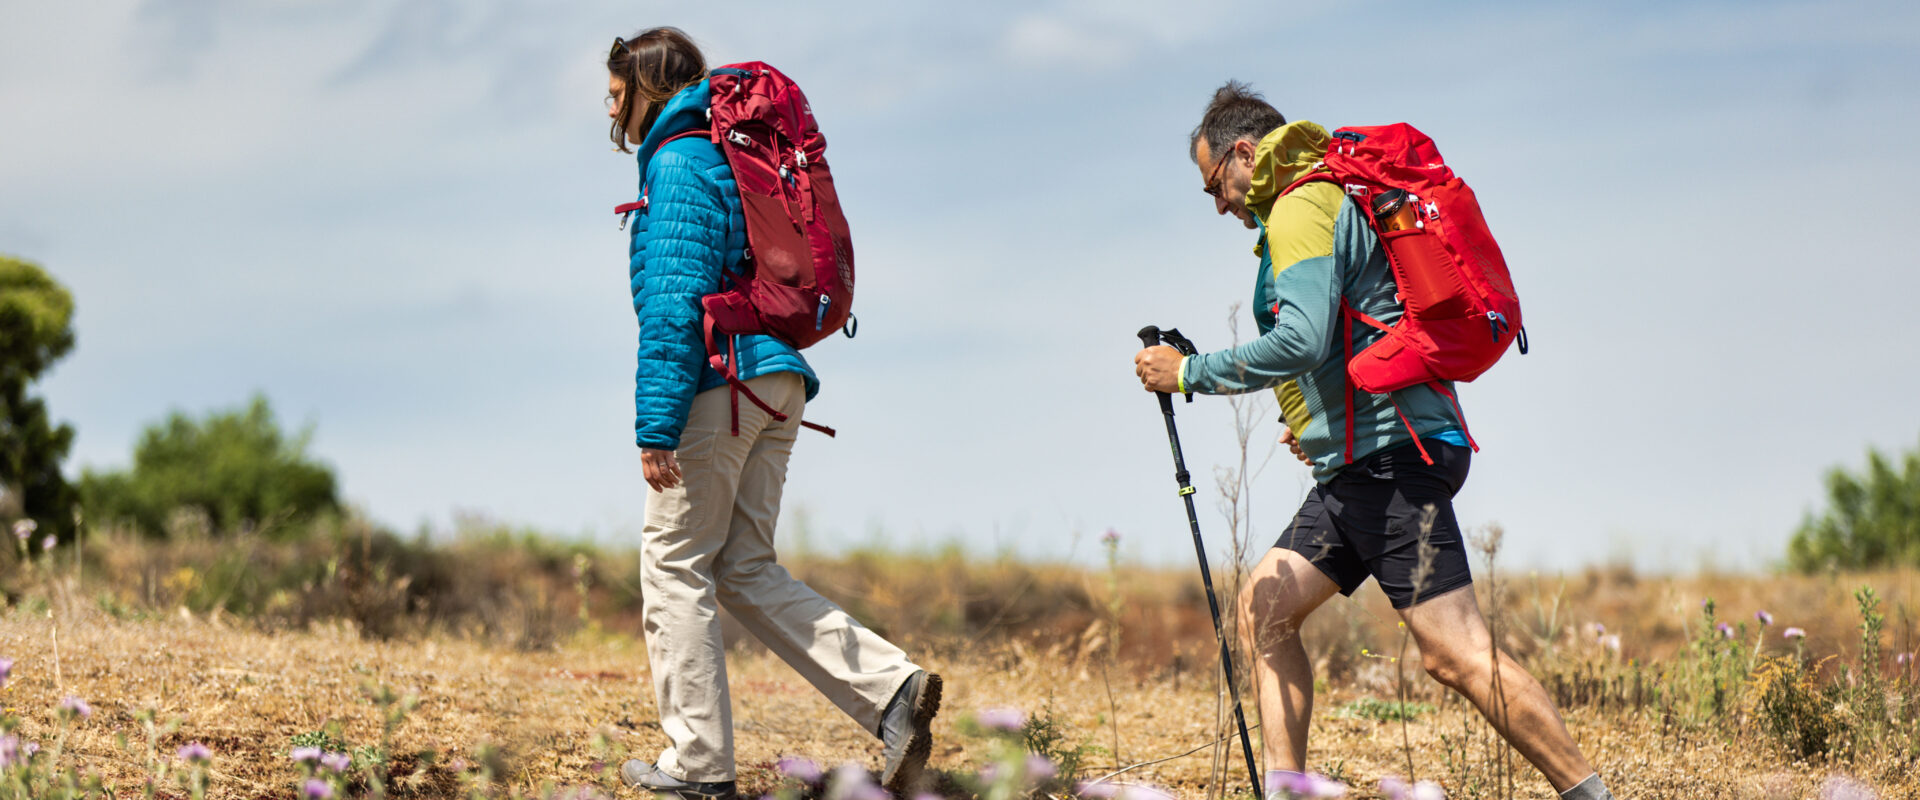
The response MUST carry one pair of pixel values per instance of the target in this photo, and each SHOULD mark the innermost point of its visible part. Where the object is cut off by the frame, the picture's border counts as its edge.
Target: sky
(394, 220)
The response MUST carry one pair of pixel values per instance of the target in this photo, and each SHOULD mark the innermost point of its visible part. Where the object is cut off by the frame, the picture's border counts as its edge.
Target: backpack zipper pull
(820, 312)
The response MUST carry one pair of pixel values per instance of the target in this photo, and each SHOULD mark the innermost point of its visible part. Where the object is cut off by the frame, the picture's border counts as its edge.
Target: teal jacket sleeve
(678, 257)
(1307, 296)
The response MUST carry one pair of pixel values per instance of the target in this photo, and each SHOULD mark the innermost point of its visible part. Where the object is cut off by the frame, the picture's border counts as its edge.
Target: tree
(1872, 519)
(36, 330)
(235, 466)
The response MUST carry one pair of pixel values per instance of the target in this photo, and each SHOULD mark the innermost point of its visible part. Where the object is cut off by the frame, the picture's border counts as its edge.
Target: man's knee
(1270, 612)
(1455, 668)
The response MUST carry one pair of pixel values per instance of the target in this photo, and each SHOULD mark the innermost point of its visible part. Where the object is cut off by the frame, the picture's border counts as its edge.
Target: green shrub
(1872, 519)
(232, 469)
(1795, 710)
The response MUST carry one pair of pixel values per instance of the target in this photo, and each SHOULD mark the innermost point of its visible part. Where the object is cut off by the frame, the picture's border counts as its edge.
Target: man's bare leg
(1456, 649)
(1282, 590)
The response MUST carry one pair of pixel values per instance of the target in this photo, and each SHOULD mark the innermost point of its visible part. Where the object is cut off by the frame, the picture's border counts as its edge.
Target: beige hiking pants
(708, 543)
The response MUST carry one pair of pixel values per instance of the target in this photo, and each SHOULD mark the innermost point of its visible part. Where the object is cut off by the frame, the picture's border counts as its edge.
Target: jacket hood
(684, 111)
(1282, 157)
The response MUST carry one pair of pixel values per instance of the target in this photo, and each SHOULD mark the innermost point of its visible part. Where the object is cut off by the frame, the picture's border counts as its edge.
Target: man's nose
(1220, 205)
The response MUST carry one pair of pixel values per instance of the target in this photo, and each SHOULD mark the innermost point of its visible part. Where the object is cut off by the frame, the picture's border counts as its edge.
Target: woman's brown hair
(656, 64)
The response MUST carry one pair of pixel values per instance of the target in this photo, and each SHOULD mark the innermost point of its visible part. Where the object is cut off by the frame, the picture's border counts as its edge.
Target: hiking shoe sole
(904, 771)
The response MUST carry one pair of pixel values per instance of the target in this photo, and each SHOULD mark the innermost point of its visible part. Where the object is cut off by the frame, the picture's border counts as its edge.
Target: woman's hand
(661, 469)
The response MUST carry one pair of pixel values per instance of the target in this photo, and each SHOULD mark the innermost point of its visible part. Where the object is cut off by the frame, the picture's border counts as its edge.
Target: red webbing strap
(1381, 326)
(1347, 316)
(727, 366)
(1346, 325)
(1458, 414)
(1409, 423)
(686, 133)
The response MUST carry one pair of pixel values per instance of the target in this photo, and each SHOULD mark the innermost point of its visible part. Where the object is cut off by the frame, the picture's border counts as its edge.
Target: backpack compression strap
(727, 366)
(1348, 315)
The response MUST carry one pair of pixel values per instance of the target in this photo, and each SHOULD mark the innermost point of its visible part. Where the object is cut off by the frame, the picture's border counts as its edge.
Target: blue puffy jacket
(691, 229)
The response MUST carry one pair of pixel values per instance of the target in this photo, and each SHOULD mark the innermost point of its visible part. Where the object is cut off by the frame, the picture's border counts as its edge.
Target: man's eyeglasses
(1213, 178)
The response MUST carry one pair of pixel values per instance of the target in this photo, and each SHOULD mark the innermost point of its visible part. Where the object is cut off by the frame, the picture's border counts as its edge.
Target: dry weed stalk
(1236, 503)
(1422, 571)
(1488, 543)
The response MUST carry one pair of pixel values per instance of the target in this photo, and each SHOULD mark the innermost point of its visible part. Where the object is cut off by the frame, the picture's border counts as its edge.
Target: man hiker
(1389, 513)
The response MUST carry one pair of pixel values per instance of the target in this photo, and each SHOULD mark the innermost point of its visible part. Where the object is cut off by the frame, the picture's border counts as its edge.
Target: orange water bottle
(1395, 210)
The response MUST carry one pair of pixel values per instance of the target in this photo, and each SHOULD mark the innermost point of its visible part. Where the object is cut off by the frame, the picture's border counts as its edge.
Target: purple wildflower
(1611, 642)
(23, 529)
(851, 782)
(1039, 768)
(72, 706)
(1002, 719)
(30, 748)
(1111, 537)
(1317, 785)
(1103, 790)
(926, 796)
(316, 789)
(48, 542)
(304, 755)
(805, 770)
(1903, 659)
(1427, 790)
(1841, 787)
(1726, 631)
(1305, 784)
(6, 670)
(1793, 633)
(10, 752)
(338, 762)
(1764, 617)
(195, 753)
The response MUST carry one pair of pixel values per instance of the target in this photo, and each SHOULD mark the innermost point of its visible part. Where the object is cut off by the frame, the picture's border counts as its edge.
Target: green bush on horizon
(1872, 519)
(236, 467)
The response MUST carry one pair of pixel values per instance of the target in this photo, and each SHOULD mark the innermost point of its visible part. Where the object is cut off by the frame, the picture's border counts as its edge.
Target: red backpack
(1461, 312)
(797, 281)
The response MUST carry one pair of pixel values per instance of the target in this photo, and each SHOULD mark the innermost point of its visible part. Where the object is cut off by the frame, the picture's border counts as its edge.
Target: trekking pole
(1149, 337)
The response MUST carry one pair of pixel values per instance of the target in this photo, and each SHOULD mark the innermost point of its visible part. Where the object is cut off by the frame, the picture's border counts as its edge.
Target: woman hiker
(712, 495)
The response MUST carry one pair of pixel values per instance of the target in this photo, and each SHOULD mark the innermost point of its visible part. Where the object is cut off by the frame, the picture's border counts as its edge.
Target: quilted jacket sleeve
(679, 253)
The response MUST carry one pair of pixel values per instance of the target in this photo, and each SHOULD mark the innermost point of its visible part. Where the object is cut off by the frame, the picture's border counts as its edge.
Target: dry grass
(246, 688)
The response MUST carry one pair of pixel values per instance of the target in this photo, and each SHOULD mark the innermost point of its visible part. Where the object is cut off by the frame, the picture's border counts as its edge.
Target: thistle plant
(26, 771)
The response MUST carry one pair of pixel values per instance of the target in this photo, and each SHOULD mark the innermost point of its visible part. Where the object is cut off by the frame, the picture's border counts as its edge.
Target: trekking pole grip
(1150, 337)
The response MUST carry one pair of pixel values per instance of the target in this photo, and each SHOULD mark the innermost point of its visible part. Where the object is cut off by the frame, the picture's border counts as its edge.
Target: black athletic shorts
(1367, 520)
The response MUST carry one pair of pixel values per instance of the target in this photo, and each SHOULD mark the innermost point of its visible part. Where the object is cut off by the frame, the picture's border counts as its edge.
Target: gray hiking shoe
(906, 729)
(646, 777)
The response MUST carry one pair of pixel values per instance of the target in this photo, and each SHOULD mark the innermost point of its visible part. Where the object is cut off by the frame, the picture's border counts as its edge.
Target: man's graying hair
(1236, 112)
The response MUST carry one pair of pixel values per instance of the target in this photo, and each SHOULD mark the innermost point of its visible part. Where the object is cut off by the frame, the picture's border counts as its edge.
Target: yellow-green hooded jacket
(1315, 248)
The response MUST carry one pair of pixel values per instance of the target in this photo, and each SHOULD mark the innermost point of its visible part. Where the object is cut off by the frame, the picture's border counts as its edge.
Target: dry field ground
(246, 687)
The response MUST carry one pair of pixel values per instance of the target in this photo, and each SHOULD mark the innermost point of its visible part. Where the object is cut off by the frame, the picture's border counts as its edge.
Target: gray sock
(1590, 789)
